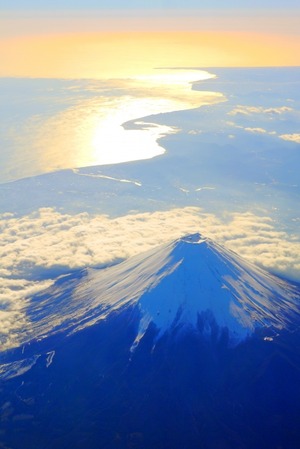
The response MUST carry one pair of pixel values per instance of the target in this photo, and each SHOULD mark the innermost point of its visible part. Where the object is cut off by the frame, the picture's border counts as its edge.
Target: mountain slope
(184, 346)
(174, 284)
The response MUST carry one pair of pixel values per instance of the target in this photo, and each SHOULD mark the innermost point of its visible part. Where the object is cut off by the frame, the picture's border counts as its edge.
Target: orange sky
(62, 46)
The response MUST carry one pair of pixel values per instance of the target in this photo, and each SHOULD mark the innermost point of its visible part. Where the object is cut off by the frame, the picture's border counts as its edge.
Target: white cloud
(255, 130)
(250, 110)
(50, 239)
(195, 132)
(13, 299)
(291, 137)
(279, 110)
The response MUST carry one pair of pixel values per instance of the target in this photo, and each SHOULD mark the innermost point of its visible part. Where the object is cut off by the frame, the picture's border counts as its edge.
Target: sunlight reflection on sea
(87, 129)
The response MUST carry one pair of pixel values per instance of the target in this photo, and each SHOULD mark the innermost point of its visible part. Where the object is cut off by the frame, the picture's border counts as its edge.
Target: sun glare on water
(92, 131)
(164, 92)
(111, 143)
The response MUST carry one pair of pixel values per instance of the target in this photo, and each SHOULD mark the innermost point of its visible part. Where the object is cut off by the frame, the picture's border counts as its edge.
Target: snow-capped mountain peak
(191, 283)
(209, 286)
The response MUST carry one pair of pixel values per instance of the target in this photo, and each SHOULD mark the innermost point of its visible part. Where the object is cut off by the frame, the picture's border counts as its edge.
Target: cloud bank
(47, 243)
(49, 239)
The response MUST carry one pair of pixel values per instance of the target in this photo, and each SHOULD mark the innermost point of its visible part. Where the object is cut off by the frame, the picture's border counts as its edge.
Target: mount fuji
(184, 346)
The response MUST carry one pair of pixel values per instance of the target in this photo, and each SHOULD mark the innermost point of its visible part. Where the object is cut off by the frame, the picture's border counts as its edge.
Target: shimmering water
(55, 124)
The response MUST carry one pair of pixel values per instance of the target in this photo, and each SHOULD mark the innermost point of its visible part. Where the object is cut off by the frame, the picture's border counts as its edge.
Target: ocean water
(52, 124)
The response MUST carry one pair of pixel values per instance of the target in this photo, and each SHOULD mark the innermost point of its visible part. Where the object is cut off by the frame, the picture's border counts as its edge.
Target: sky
(100, 39)
(147, 4)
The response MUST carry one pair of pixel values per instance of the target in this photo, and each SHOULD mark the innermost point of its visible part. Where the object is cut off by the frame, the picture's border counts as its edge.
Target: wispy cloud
(291, 137)
(250, 110)
(256, 130)
(275, 120)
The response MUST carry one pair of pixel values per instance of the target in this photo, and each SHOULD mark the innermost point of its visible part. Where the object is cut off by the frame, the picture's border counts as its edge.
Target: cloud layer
(47, 239)
(47, 243)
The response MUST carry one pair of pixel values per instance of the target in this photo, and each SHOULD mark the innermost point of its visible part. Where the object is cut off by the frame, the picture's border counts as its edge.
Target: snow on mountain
(173, 348)
(191, 283)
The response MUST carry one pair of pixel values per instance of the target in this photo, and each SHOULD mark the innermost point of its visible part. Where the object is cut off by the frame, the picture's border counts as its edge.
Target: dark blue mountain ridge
(186, 345)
